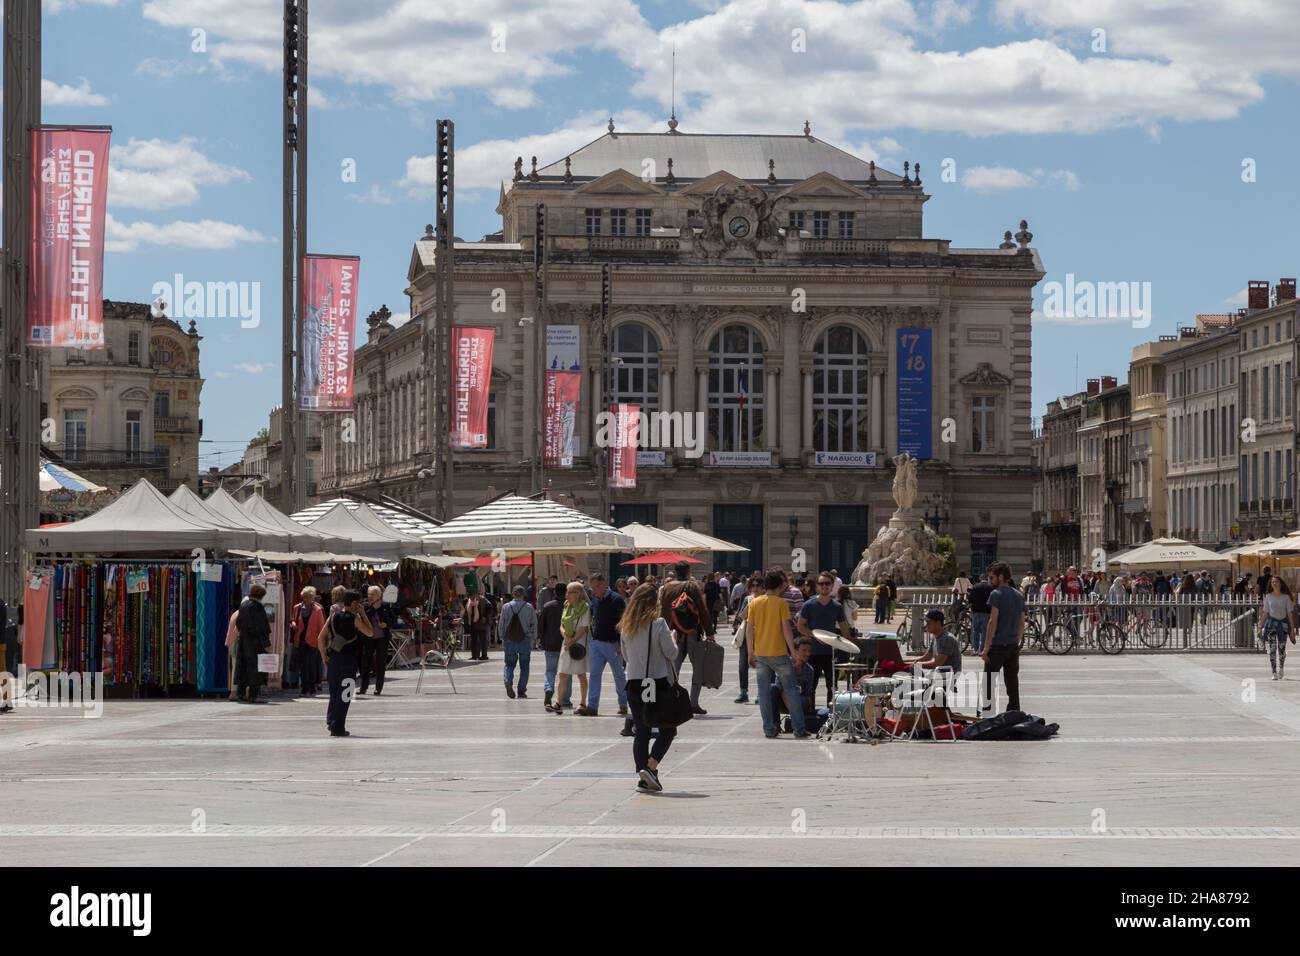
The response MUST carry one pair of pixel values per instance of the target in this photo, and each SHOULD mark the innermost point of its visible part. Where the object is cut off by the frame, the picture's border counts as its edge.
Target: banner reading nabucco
(845, 459)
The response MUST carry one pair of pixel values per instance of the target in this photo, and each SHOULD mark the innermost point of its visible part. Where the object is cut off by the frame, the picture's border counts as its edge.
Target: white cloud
(375, 195)
(161, 174)
(423, 52)
(253, 368)
(484, 164)
(992, 179)
(945, 13)
(56, 7)
(203, 234)
(62, 94)
(1237, 300)
(165, 69)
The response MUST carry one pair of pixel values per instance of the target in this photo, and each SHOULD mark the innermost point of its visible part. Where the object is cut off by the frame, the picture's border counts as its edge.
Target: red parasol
(664, 557)
(485, 561)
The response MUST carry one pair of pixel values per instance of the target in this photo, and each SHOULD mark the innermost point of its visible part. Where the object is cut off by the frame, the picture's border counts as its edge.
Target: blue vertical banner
(915, 392)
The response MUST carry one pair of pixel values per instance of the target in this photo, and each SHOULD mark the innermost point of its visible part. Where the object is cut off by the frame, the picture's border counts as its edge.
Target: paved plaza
(1184, 770)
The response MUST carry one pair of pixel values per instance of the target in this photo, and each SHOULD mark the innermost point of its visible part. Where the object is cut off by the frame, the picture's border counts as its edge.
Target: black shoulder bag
(669, 703)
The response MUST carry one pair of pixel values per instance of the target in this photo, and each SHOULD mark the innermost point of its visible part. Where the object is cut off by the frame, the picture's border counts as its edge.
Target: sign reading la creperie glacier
(915, 391)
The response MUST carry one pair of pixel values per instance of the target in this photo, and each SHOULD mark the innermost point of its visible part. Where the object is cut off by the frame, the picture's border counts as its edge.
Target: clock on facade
(738, 226)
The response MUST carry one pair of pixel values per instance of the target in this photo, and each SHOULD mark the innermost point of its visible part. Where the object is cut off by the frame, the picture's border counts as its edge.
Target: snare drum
(850, 705)
(876, 686)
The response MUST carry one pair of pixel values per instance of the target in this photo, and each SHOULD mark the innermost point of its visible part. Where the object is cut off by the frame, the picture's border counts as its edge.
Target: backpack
(515, 629)
(683, 614)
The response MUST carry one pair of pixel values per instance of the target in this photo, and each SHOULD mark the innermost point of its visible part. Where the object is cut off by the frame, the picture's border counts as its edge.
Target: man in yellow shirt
(769, 638)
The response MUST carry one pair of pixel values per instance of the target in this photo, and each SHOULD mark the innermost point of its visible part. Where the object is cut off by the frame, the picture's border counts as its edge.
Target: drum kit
(857, 710)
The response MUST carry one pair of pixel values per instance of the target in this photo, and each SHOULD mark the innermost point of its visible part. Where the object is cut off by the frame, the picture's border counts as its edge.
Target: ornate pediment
(620, 181)
(823, 185)
(712, 181)
(76, 393)
(985, 374)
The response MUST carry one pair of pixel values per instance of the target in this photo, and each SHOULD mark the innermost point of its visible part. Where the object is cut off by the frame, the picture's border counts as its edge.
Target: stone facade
(130, 409)
(778, 255)
(1145, 507)
(1060, 482)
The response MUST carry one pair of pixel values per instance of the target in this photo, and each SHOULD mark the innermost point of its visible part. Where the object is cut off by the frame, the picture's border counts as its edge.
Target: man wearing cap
(517, 628)
(944, 650)
(689, 642)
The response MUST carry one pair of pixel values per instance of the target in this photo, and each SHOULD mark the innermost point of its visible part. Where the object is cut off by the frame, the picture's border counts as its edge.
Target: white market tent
(403, 522)
(410, 543)
(704, 542)
(314, 538)
(388, 544)
(186, 500)
(1173, 553)
(516, 524)
(649, 538)
(139, 520)
(54, 477)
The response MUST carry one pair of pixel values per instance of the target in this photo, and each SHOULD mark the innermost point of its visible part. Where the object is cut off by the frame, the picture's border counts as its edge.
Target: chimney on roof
(1108, 382)
(1094, 386)
(1257, 294)
(1285, 290)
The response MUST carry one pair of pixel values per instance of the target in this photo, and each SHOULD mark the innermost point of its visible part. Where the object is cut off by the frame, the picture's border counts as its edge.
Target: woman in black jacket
(254, 638)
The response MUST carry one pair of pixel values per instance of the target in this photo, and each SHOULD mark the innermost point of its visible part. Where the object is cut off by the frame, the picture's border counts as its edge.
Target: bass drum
(850, 704)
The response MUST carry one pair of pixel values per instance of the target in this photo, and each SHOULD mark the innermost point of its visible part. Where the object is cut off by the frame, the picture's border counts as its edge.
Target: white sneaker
(1275, 677)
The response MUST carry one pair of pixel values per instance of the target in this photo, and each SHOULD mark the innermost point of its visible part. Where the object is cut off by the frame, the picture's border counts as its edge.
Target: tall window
(133, 435)
(821, 225)
(635, 350)
(846, 225)
(593, 222)
(643, 222)
(795, 225)
(133, 348)
(736, 389)
(74, 433)
(841, 391)
(161, 404)
(1263, 392)
(618, 222)
(492, 419)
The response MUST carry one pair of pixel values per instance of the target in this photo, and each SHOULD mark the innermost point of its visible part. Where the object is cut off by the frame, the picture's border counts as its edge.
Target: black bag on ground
(997, 727)
(710, 664)
(1033, 728)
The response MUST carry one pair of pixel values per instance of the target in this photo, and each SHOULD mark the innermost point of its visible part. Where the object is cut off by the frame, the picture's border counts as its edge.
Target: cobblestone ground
(1173, 755)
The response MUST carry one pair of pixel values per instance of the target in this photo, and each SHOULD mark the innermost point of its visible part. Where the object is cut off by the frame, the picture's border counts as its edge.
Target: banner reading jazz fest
(624, 433)
(471, 352)
(559, 432)
(69, 195)
(329, 297)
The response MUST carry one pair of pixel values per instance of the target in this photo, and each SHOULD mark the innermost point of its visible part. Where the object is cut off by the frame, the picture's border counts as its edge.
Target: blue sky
(1126, 160)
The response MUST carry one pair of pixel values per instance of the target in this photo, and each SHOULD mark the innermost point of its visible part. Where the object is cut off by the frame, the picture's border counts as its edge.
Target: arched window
(736, 386)
(635, 351)
(841, 391)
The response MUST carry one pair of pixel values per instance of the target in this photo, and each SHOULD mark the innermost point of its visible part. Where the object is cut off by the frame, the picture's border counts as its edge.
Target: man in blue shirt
(607, 609)
(517, 628)
(1006, 628)
(823, 613)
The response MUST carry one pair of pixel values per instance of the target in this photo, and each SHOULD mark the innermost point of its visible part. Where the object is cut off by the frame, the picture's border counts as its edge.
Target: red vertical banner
(69, 204)
(328, 319)
(624, 434)
(471, 380)
(560, 428)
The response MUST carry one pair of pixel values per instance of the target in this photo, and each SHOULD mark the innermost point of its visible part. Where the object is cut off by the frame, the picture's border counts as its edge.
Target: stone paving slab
(1177, 752)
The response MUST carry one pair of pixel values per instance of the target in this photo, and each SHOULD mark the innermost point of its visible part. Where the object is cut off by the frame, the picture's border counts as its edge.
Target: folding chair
(435, 658)
(401, 640)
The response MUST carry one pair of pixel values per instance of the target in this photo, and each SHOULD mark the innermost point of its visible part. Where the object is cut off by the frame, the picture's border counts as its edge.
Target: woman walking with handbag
(1277, 623)
(649, 652)
(575, 626)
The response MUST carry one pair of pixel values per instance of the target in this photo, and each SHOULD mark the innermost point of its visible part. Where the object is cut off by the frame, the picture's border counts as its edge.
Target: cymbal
(831, 639)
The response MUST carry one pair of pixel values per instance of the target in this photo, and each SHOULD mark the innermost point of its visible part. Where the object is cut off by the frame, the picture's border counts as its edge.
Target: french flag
(742, 383)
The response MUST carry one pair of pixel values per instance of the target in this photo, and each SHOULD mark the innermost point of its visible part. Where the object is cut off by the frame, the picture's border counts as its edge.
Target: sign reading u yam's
(69, 200)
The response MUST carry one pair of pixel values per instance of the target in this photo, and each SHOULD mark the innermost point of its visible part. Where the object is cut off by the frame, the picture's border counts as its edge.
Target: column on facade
(806, 376)
(686, 399)
(878, 404)
(702, 386)
(790, 404)
(665, 390)
(771, 408)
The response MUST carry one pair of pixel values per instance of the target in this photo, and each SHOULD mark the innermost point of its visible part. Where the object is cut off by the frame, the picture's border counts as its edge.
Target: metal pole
(20, 441)
(602, 468)
(296, 449)
(445, 307)
(288, 242)
(539, 340)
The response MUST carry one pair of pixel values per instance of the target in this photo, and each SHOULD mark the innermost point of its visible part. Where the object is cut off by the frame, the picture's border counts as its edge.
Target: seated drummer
(945, 649)
(805, 678)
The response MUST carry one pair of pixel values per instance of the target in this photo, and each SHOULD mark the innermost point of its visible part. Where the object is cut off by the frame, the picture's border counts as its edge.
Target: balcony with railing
(87, 458)
(173, 424)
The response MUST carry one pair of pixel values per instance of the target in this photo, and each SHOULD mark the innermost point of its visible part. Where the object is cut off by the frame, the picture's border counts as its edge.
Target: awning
(445, 560)
(664, 557)
(186, 500)
(309, 557)
(1173, 553)
(649, 538)
(53, 477)
(304, 538)
(512, 523)
(406, 523)
(705, 542)
(386, 542)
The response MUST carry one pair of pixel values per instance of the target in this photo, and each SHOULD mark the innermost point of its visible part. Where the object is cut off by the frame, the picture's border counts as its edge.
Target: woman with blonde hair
(648, 654)
(575, 627)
